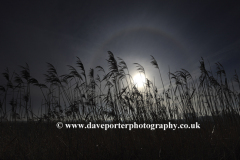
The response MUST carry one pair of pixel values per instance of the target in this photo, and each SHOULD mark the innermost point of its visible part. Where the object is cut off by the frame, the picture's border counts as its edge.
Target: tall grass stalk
(113, 96)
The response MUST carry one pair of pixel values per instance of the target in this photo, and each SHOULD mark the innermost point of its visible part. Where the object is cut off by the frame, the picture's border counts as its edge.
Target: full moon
(139, 80)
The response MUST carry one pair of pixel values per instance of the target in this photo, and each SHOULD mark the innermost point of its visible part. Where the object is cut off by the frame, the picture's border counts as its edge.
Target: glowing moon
(139, 80)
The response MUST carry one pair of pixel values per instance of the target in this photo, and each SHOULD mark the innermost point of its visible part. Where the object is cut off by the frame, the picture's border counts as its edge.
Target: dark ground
(45, 141)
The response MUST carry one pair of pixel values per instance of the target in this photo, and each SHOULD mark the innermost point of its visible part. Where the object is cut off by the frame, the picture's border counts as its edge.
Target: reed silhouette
(111, 96)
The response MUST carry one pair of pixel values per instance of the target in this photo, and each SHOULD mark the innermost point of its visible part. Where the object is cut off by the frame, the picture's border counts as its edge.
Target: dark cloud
(176, 33)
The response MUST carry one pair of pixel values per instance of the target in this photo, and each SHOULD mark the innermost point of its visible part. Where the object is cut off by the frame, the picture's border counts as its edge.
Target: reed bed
(111, 96)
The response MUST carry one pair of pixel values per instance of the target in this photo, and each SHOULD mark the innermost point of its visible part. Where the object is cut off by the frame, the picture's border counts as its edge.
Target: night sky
(176, 33)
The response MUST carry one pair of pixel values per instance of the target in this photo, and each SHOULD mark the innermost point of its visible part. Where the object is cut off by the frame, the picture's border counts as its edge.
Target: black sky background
(176, 33)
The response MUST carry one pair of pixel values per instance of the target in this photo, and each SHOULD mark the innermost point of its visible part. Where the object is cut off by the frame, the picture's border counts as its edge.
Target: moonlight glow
(139, 80)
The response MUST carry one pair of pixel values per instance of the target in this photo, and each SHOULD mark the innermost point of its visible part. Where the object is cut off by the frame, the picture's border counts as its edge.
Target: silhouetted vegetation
(112, 96)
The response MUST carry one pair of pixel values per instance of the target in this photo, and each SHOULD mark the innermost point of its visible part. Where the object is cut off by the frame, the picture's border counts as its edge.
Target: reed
(105, 96)
(111, 96)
